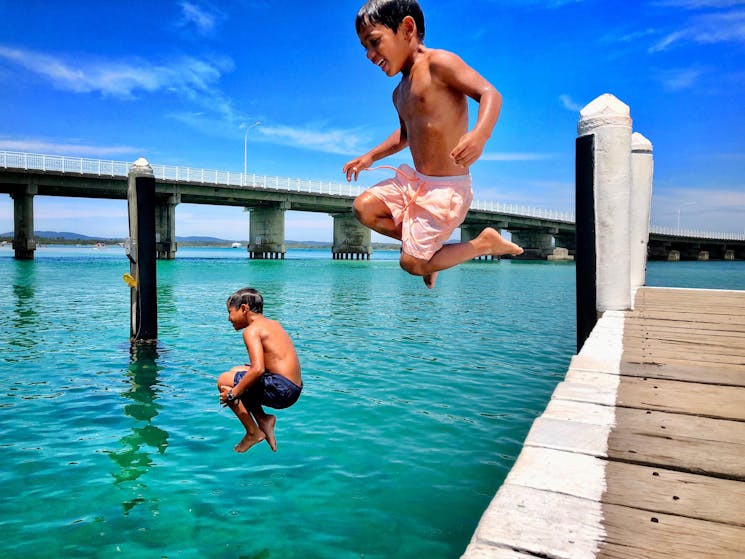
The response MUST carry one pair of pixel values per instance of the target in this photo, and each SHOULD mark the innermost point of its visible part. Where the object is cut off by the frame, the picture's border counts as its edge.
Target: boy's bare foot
(248, 441)
(498, 245)
(429, 279)
(267, 424)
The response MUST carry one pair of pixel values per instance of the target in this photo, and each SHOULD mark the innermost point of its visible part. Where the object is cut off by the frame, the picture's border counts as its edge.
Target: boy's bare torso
(434, 115)
(280, 356)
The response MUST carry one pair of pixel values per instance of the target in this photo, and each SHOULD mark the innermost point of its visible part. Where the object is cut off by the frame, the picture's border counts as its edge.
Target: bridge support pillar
(536, 244)
(729, 254)
(24, 243)
(352, 240)
(267, 233)
(567, 241)
(165, 227)
(703, 255)
(673, 256)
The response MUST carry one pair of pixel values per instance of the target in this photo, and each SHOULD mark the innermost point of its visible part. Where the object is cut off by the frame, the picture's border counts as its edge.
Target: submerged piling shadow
(133, 459)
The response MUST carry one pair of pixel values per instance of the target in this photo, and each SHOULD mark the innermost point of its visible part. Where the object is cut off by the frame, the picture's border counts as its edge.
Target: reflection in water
(133, 459)
(25, 317)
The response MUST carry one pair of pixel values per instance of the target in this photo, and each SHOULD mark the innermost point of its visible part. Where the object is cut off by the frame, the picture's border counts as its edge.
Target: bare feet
(498, 245)
(248, 441)
(429, 279)
(267, 424)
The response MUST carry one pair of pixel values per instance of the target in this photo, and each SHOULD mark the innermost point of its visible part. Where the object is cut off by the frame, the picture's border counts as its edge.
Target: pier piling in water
(141, 250)
(640, 203)
(24, 243)
(614, 171)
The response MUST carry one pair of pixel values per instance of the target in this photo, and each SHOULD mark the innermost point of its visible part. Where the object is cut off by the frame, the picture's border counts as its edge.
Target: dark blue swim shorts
(270, 389)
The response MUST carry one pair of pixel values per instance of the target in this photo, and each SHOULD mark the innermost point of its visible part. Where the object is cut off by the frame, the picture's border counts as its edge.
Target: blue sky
(176, 81)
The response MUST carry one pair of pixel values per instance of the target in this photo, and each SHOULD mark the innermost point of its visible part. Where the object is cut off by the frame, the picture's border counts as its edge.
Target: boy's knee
(359, 208)
(414, 266)
(225, 379)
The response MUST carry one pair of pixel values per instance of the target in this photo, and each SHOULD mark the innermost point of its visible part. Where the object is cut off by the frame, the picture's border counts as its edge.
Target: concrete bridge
(543, 233)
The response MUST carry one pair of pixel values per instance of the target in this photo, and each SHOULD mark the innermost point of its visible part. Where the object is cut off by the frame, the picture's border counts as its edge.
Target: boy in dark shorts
(272, 378)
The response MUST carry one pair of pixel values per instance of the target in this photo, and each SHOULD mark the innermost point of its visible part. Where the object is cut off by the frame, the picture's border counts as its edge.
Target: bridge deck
(641, 451)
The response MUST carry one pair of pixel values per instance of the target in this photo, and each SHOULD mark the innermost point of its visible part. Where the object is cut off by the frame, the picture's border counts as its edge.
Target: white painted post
(609, 121)
(640, 200)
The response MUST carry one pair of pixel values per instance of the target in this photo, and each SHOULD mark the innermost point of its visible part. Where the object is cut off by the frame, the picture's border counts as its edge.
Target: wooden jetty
(641, 451)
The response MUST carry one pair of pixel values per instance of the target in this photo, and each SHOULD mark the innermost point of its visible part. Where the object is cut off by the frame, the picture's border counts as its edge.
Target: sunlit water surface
(415, 404)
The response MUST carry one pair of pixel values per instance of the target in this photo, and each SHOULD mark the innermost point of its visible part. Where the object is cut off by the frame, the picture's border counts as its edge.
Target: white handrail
(97, 167)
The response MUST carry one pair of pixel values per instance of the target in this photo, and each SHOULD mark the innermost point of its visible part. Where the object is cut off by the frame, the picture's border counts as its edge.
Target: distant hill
(57, 235)
(67, 237)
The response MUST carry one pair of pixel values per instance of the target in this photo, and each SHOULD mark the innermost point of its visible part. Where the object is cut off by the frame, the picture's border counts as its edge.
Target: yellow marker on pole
(129, 280)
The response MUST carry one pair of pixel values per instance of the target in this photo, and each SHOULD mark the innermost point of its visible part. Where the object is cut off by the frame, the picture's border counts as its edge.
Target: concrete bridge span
(543, 233)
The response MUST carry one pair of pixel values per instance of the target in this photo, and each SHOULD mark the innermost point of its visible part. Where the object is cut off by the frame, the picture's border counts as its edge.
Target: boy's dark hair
(390, 13)
(247, 296)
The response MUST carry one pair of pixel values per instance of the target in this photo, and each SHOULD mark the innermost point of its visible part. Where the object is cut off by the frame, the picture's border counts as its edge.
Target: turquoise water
(415, 404)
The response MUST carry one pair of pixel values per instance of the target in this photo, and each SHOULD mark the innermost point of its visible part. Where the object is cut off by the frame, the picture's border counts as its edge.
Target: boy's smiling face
(388, 50)
(237, 316)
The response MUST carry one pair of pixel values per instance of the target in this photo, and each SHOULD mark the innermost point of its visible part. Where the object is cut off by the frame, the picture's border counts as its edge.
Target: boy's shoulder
(442, 57)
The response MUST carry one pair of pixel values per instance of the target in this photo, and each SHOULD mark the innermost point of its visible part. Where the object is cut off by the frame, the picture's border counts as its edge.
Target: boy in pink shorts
(423, 207)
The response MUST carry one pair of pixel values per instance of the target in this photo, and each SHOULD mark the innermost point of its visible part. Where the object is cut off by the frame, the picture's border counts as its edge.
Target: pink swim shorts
(428, 208)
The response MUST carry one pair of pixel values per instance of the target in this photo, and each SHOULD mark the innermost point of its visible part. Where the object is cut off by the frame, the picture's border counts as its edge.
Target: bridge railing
(522, 211)
(63, 164)
(696, 233)
(97, 167)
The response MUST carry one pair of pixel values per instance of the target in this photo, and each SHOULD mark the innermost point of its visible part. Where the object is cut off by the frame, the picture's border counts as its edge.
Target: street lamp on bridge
(245, 145)
(680, 208)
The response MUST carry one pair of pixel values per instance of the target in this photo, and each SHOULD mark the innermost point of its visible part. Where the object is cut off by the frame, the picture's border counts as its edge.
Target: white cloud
(339, 141)
(699, 208)
(699, 4)
(72, 149)
(569, 104)
(710, 28)
(678, 80)
(193, 14)
(121, 78)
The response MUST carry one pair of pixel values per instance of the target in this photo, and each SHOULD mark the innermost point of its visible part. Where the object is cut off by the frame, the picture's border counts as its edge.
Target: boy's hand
(468, 150)
(353, 168)
(224, 389)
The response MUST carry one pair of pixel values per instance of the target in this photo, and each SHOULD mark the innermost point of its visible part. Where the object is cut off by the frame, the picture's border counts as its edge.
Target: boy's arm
(252, 339)
(393, 144)
(456, 74)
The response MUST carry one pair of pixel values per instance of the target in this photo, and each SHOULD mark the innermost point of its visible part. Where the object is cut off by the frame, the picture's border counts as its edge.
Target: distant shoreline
(71, 239)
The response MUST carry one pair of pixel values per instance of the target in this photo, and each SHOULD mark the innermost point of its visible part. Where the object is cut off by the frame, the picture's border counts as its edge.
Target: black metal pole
(142, 253)
(585, 255)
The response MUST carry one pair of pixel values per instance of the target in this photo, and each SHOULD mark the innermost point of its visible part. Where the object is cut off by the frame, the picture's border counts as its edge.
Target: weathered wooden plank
(633, 534)
(653, 323)
(726, 402)
(649, 488)
(686, 443)
(724, 321)
(690, 334)
(703, 297)
(670, 492)
(692, 444)
(681, 358)
(707, 373)
(631, 357)
(541, 523)
(698, 351)
(479, 550)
